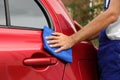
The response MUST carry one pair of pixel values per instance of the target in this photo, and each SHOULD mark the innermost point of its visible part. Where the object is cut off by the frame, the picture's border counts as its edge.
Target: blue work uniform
(108, 56)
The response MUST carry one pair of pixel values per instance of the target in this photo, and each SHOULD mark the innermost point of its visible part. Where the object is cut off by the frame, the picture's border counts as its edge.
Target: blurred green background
(83, 11)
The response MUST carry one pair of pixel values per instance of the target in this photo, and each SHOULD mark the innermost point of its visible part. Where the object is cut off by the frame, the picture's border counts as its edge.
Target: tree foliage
(81, 11)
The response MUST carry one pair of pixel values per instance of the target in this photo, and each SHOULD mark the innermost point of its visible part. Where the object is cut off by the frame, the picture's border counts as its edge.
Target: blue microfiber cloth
(65, 55)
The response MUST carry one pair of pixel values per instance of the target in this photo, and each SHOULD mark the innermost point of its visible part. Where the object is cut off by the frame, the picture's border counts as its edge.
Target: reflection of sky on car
(2, 20)
(31, 21)
(25, 7)
(26, 13)
(2, 13)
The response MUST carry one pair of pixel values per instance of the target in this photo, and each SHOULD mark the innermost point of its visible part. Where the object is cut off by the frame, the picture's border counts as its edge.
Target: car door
(84, 65)
(84, 54)
(22, 56)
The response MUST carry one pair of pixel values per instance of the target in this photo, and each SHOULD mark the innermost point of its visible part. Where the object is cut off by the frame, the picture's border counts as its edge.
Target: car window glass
(2, 13)
(26, 13)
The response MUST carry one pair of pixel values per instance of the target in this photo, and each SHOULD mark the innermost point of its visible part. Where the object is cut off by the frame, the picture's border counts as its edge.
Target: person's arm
(93, 37)
(100, 22)
(94, 27)
(79, 27)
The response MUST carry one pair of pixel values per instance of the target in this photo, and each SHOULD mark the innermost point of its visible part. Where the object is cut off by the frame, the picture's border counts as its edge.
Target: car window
(26, 13)
(2, 13)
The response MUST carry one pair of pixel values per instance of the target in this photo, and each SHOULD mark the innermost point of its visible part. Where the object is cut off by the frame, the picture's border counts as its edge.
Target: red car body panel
(21, 51)
(17, 45)
(84, 66)
(61, 20)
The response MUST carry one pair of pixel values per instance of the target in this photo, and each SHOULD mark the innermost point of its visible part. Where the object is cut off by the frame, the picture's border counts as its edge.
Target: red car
(22, 55)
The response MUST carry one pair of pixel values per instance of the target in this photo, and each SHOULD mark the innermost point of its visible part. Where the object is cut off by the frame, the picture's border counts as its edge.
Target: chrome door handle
(40, 61)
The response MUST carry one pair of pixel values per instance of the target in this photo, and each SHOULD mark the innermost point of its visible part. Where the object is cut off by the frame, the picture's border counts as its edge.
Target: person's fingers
(51, 37)
(56, 34)
(54, 45)
(52, 41)
(59, 49)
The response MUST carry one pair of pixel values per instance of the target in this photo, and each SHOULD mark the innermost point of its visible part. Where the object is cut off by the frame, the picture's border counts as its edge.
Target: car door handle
(40, 61)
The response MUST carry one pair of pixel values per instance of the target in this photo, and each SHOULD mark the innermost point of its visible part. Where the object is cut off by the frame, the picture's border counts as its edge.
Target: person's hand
(60, 40)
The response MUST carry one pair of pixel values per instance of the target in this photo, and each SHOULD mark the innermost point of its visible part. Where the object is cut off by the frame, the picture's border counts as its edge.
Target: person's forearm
(95, 26)
(93, 37)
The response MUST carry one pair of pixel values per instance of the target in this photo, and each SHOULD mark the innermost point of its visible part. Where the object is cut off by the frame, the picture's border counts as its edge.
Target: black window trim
(40, 5)
(1, 25)
(7, 13)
